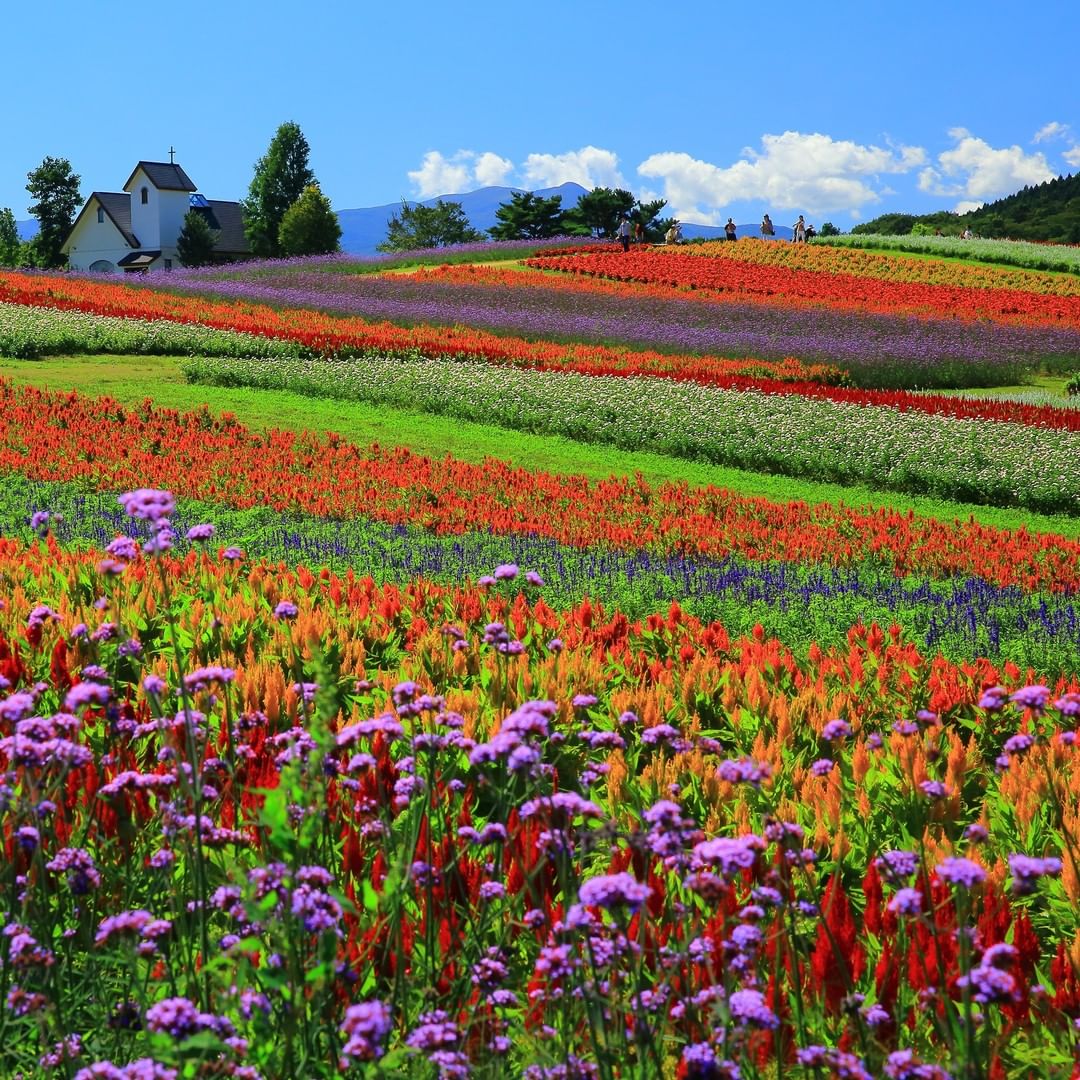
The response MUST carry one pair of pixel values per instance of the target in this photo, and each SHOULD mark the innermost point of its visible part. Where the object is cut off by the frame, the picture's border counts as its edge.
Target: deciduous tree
(310, 226)
(281, 176)
(420, 226)
(9, 238)
(55, 187)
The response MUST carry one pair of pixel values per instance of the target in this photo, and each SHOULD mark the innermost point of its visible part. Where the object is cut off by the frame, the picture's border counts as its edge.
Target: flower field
(29, 332)
(1001, 464)
(321, 335)
(829, 259)
(753, 272)
(1059, 257)
(882, 350)
(327, 759)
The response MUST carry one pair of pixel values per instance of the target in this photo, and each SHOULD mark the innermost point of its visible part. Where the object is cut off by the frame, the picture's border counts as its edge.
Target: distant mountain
(363, 229)
(27, 229)
(1048, 211)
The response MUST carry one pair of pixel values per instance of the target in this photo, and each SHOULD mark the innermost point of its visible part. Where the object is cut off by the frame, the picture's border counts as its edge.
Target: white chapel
(136, 229)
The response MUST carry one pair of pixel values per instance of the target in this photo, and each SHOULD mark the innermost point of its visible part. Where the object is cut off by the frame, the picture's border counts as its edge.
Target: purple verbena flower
(960, 871)
(614, 891)
(148, 504)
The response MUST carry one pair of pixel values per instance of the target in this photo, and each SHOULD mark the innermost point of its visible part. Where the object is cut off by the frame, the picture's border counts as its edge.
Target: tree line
(1048, 212)
(526, 216)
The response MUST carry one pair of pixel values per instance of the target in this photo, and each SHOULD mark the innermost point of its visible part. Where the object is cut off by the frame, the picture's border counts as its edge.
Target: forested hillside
(1049, 211)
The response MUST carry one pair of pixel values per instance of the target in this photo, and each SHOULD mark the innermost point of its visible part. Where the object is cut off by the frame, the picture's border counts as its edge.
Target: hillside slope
(1049, 211)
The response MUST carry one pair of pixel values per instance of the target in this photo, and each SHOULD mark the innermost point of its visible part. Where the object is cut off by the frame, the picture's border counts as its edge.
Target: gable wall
(91, 241)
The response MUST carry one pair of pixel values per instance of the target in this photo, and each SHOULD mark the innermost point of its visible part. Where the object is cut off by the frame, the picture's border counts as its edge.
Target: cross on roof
(171, 153)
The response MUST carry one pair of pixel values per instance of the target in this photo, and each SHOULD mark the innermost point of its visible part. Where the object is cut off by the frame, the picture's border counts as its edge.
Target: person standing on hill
(623, 232)
(798, 231)
(729, 229)
(767, 230)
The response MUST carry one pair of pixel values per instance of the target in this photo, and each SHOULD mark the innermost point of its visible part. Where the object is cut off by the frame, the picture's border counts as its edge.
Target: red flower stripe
(741, 280)
(326, 334)
(113, 447)
(895, 267)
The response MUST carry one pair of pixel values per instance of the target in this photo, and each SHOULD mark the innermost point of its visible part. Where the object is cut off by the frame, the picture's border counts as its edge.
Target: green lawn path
(131, 379)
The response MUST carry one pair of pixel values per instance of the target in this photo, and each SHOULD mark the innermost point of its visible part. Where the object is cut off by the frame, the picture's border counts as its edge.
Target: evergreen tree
(9, 238)
(310, 226)
(598, 211)
(646, 214)
(281, 176)
(529, 217)
(428, 226)
(56, 189)
(195, 242)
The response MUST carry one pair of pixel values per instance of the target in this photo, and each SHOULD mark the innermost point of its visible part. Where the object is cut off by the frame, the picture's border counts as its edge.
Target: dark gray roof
(117, 205)
(163, 176)
(227, 221)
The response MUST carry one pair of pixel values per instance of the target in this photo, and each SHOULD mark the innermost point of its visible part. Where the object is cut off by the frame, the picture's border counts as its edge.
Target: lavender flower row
(878, 350)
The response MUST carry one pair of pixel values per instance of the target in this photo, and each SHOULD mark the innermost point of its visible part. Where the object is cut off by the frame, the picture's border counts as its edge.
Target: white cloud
(1053, 130)
(463, 171)
(977, 172)
(1073, 157)
(929, 179)
(590, 166)
(810, 172)
(965, 206)
(491, 170)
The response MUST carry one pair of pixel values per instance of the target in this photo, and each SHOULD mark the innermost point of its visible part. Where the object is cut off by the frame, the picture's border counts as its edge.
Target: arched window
(145, 196)
(100, 215)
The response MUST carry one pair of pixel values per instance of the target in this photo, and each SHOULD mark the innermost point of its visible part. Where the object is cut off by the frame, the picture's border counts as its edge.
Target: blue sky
(840, 110)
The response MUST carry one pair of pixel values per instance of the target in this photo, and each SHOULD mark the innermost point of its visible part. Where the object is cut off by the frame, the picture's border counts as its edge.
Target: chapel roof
(227, 220)
(164, 176)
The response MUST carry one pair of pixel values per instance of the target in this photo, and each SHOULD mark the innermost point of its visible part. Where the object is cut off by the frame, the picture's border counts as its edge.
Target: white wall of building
(174, 208)
(145, 217)
(94, 241)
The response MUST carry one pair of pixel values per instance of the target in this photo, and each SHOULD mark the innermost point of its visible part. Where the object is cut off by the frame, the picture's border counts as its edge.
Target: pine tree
(528, 217)
(195, 243)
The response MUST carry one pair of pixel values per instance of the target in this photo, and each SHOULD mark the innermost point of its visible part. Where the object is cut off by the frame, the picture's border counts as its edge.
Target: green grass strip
(132, 379)
(984, 461)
